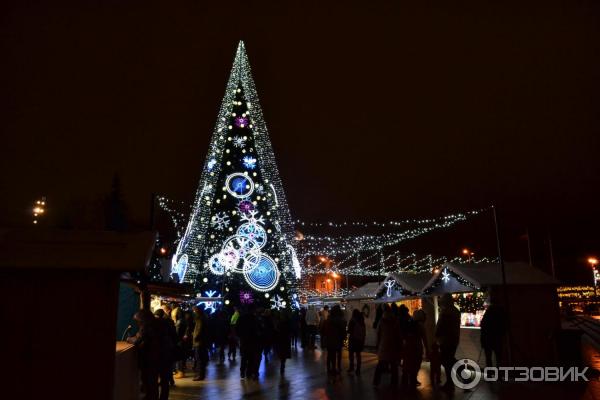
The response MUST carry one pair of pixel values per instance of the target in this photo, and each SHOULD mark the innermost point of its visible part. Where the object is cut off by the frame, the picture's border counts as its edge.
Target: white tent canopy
(485, 275)
(366, 291)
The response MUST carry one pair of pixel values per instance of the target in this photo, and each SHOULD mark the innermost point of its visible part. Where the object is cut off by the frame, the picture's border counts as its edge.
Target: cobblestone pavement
(306, 379)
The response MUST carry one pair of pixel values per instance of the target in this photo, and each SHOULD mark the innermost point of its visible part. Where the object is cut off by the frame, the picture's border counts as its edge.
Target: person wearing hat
(447, 335)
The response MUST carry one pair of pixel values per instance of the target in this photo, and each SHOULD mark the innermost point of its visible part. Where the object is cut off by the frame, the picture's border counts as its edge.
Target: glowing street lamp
(468, 253)
(39, 208)
(593, 261)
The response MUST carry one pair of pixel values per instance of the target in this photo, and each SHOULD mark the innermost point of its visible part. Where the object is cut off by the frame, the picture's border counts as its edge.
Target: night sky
(375, 111)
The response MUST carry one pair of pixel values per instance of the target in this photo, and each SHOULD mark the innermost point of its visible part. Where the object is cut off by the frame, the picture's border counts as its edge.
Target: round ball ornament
(254, 232)
(215, 266)
(265, 276)
(239, 185)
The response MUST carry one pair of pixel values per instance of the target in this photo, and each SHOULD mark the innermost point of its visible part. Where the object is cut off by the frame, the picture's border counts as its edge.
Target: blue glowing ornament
(295, 302)
(180, 268)
(210, 306)
(264, 276)
(249, 162)
(253, 232)
(239, 185)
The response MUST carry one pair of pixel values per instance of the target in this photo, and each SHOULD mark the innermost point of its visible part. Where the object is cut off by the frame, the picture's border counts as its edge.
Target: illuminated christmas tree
(239, 238)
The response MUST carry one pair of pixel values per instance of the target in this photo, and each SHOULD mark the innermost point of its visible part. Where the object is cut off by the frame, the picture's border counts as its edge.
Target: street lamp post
(593, 261)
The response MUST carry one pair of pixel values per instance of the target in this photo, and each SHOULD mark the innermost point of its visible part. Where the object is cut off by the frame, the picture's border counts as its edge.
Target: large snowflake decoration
(239, 141)
(249, 162)
(445, 276)
(246, 297)
(277, 302)
(209, 306)
(220, 221)
(251, 218)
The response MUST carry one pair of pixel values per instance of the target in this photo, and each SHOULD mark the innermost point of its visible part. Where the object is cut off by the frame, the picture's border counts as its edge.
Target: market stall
(529, 298)
(362, 298)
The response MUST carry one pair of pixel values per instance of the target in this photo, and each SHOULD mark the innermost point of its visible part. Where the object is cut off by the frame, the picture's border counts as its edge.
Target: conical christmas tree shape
(239, 239)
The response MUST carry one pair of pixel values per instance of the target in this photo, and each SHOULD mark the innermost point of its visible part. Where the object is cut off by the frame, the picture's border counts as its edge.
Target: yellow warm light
(593, 261)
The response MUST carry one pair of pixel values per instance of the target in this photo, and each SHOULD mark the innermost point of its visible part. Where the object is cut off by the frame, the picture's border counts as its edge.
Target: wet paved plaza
(306, 379)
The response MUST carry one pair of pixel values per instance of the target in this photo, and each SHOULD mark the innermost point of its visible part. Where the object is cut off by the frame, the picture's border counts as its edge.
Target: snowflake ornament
(260, 189)
(445, 276)
(239, 141)
(220, 221)
(277, 302)
(251, 218)
(211, 164)
(249, 162)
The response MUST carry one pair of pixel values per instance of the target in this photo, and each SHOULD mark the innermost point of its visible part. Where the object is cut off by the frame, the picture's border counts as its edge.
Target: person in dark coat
(447, 335)
(493, 329)
(283, 337)
(180, 328)
(389, 346)
(187, 337)
(303, 328)
(221, 326)
(147, 343)
(248, 330)
(334, 333)
(168, 344)
(357, 333)
(200, 342)
(295, 321)
(268, 336)
(412, 353)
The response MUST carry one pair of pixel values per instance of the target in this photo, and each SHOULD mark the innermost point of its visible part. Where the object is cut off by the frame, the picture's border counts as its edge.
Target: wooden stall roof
(73, 249)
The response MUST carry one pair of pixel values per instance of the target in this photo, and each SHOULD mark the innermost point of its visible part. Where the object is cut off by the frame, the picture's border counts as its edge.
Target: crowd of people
(173, 342)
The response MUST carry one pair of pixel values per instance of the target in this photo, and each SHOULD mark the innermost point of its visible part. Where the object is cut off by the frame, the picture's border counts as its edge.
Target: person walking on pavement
(447, 335)
(168, 342)
(312, 323)
(180, 353)
(147, 343)
(357, 333)
(493, 330)
(233, 336)
(334, 333)
(248, 330)
(389, 345)
(200, 343)
(283, 337)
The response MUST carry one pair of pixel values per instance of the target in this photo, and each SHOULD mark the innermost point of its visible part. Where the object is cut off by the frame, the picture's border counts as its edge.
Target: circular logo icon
(465, 373)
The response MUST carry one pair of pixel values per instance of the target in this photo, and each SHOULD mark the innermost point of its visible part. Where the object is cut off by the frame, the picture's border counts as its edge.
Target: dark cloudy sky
(375, 109)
